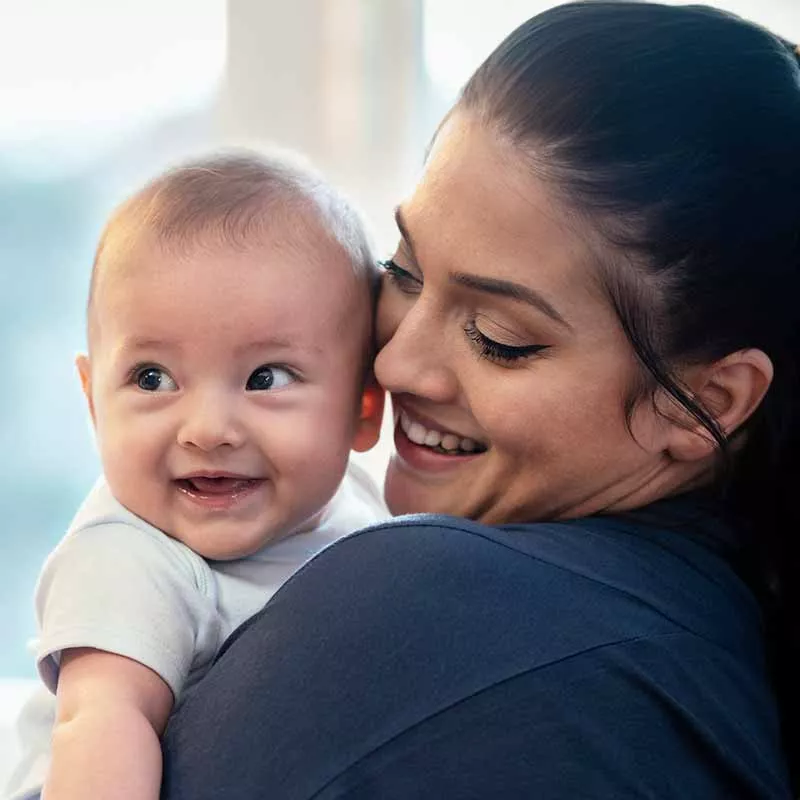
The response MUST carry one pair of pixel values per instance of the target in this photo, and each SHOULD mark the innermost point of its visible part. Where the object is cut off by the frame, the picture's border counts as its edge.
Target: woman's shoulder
(511, 648)
(636, 574)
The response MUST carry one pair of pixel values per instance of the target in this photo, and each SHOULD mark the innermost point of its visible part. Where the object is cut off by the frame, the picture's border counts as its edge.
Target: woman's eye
(266, 379)
(154, 379)
(402, 278)
(497, 351)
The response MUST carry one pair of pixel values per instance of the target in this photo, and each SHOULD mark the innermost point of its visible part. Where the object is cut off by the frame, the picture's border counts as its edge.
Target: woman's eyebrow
(495, 286)
(515, 291)
(400, 221)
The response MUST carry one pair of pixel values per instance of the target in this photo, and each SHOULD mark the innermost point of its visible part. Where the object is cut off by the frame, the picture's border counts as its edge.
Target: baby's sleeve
(117, 584)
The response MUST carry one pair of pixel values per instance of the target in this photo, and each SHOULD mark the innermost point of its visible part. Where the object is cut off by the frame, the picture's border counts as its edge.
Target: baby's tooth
(432, 438)
(405, 422)
(416, 433)
(450, 441)
(468, 445)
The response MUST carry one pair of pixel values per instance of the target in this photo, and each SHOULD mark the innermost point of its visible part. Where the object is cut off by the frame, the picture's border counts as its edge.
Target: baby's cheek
(304, 442)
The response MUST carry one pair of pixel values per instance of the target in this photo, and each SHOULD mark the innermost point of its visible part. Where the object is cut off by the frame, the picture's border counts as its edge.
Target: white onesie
(118, 584)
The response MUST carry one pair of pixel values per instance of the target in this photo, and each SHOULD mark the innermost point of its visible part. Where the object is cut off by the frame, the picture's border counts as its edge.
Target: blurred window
(94, 96)
(459, 34)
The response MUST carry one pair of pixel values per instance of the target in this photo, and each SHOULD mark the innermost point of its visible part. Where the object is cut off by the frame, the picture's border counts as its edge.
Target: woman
(594, 297)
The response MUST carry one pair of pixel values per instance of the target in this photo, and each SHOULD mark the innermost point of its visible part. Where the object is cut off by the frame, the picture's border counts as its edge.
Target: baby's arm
(126, 615)
(111, 714)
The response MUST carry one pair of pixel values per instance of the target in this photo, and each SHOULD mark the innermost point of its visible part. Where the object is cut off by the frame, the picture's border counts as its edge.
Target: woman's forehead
(479, 207)
(488, 181)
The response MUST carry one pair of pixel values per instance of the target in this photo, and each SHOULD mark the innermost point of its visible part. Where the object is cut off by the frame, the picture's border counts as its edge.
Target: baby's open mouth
(447, 443)
(215, 485)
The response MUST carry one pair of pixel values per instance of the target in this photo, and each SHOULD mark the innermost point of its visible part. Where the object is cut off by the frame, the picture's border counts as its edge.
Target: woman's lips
(426, 458)
(426, 433)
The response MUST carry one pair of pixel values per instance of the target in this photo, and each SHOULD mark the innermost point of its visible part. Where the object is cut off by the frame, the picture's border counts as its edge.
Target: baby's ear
(368, 428)
(85, 372)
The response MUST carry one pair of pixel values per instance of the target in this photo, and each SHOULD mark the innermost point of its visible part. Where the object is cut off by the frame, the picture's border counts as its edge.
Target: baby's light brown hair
(233, 198)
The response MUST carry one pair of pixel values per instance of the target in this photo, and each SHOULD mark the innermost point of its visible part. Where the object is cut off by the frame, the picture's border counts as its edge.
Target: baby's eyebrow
(274, 344)
(278, 343)
(146, 343)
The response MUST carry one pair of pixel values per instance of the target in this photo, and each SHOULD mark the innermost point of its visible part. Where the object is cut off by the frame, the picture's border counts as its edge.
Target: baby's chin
(231, 541)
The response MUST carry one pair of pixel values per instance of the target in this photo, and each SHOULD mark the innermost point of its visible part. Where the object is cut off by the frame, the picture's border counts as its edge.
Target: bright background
(96, 96)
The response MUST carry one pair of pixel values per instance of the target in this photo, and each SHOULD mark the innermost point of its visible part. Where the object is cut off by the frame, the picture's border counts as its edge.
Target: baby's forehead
(294, 273)
(235, 202)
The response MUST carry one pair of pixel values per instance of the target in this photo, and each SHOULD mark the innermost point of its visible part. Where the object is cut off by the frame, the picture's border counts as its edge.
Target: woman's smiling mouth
(442, 442)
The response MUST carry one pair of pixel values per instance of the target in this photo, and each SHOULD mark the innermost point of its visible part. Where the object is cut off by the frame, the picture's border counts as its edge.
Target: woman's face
(507, 366)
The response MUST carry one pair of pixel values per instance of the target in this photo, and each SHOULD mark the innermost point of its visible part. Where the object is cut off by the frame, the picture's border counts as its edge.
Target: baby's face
(225, 387)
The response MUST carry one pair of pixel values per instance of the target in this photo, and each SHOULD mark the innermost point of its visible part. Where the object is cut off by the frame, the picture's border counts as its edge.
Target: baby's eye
(267, 378)
(154, 379)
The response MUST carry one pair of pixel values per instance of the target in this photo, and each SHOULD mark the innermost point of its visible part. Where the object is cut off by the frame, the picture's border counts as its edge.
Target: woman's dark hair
(676, 132)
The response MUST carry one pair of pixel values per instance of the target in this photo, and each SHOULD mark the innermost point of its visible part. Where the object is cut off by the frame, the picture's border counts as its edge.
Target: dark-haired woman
(590, 334)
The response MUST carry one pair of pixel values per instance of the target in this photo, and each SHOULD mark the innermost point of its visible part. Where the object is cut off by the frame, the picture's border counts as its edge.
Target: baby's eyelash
(495, 351)
(135, 371)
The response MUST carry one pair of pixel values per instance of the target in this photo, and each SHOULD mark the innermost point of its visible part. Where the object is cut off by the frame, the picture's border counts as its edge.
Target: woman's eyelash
(495, 351)
(488, 348)
(399, 276)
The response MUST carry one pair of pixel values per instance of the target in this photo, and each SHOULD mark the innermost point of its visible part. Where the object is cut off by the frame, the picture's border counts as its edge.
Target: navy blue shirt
(432, 657)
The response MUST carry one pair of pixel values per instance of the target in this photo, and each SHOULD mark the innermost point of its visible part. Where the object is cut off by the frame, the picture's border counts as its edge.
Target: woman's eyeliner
(495, 351)
(402, 278)
(487, 348)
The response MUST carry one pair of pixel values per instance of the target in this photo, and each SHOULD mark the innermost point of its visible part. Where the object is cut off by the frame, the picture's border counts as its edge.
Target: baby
(228, 378)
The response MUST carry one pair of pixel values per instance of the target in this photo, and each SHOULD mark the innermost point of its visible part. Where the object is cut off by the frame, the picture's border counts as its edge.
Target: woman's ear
(85, 372)
(730, 390)
(368, 428)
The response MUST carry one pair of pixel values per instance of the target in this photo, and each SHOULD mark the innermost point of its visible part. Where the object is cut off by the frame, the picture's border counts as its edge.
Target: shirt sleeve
(119, 585)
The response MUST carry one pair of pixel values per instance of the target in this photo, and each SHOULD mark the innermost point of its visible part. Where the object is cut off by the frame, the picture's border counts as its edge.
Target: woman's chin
(398, 495)
(422, 479)
(406, 492)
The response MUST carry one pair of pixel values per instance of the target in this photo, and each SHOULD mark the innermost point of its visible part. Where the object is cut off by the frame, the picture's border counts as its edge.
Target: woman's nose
(413, 359)
(210, 421)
